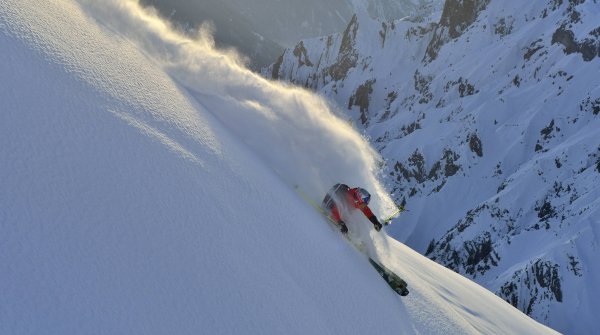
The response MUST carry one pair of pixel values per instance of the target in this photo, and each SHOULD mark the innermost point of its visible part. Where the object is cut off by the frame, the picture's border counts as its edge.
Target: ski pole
(399, 210)
(312, 203)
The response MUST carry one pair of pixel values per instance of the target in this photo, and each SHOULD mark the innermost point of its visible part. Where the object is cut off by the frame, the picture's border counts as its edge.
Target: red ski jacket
(354, 199)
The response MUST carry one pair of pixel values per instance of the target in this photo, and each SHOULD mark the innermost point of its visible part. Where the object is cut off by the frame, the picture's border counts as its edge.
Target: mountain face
(487, 113)
(258, 28)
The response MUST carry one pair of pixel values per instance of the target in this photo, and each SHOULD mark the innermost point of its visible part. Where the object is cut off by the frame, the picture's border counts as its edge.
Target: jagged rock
(361, 98)
(547, 131)
(450, 168)
(575, 266)
(538, 147)
(533, 286)
(475, 145)
(347, 55)
(457, 16)
(504, 26)
(566, 38)
(301, 54)
(557, 163)
(382, 33)
(391, 97)
(419, 31)
(472, 257)
(589, 47)
(533, 48)
(480, 255)
(422, 86)
(464, 87)
(276, 67)
(590, 105)
(417, 161)
(517, 81)
(546, 211)
(418, 172)
(407, 130)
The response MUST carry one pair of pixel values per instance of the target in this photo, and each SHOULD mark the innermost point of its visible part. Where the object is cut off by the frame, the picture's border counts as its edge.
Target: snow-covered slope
(146, 189)
(487, 113)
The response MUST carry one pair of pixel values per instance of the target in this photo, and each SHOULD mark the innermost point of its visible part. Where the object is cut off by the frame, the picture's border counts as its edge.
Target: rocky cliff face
(487, 113)
(457, 16)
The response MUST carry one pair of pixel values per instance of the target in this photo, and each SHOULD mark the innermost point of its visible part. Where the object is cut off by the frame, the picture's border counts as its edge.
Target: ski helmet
(364, 195)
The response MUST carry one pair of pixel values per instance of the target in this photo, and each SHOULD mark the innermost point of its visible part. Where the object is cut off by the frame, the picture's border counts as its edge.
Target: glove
(343, 228)
(375, 223)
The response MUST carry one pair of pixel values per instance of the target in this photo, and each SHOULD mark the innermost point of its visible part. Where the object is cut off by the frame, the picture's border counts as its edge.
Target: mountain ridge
(489, 116)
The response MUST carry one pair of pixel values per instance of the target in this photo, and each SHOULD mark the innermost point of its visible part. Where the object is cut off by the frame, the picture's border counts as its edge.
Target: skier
(340, 195)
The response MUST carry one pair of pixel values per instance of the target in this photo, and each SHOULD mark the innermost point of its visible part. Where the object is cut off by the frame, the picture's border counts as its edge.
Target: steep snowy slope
(128, 208)
(487, 114)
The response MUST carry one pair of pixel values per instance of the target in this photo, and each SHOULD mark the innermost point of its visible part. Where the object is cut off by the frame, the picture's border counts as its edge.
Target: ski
(393, 280)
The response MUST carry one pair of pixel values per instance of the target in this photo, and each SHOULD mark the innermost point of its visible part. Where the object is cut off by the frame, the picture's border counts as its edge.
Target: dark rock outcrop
(589, 48)
(457, 16)
(348, 56)
(533, 286)
(475, 145)
(361, 98)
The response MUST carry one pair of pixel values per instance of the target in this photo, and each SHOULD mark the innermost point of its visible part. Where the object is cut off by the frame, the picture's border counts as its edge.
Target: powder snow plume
(294, 131)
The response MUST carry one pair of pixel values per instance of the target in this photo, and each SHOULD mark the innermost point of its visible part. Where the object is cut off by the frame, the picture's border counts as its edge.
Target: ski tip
(402, 292)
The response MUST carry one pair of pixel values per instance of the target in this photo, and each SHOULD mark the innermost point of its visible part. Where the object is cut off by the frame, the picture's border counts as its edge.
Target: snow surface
(146, 189)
